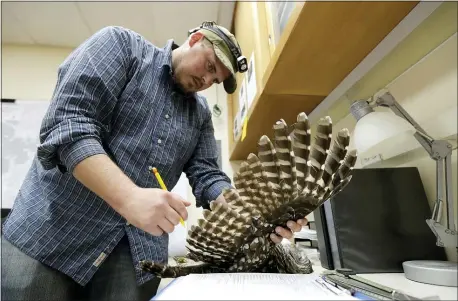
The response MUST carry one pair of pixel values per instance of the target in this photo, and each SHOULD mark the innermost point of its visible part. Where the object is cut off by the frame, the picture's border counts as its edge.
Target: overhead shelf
(320, 45)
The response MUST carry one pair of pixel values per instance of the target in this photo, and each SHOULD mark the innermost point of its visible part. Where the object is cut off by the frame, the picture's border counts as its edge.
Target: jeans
(24, 278)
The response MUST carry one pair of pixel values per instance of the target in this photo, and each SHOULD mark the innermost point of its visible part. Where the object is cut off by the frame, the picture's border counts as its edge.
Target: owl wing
(286, 180)
(218, 235)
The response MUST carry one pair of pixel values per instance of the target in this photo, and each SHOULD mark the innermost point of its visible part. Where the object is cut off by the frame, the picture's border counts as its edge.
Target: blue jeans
(24, 278)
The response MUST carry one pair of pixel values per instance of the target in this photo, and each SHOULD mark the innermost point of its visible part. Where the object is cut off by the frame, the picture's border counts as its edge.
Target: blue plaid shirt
(115, 96)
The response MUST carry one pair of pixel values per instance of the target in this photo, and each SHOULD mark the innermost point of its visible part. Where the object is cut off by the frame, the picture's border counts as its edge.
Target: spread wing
(291, 176)
(288, 178)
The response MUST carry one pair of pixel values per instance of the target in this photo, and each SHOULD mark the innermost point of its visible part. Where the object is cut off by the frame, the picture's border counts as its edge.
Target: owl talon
(152, 267)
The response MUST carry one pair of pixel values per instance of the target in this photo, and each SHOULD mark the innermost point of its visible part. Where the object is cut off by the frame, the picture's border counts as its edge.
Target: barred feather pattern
(301, 137)
(286, 161)
(318, 154)
(286, 180)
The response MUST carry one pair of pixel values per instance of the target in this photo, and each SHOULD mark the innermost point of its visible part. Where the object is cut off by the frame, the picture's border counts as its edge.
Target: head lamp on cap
(226, 49)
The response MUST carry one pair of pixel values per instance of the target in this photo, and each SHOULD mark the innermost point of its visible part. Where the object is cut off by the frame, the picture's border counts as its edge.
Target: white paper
(177, 239)
(251, 82)
(242, 93)
(248, 286)
(243, 101)
(236, 129)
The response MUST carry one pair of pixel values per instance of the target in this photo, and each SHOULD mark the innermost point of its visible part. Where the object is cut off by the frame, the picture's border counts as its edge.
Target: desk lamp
(380, 131)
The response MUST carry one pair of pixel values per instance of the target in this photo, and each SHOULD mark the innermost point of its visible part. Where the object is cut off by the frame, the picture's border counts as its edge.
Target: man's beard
(176, 82)
(179, 86)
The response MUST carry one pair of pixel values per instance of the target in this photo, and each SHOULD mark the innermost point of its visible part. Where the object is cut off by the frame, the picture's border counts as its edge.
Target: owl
(287, 179)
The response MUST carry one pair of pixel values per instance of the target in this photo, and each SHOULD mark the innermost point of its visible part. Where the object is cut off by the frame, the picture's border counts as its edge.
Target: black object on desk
(5, 212)
(377, 222)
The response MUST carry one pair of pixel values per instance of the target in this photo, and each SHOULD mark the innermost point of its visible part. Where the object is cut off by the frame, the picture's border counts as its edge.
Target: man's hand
(155, 210)
(151, 209)
(220, 199)
(281, 232)
(288, 233)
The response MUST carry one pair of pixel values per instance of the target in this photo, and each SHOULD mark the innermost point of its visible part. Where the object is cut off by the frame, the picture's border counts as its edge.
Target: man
(89, 208)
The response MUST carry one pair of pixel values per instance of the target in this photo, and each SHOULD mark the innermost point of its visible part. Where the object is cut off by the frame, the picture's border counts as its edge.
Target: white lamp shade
(382, 133)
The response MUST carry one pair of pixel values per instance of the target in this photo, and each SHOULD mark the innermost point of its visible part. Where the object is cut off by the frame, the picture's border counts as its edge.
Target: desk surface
(393, 280)
(400, 282)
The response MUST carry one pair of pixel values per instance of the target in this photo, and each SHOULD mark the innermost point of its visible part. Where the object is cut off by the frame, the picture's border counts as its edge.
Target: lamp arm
(387, 100)
(440, 151)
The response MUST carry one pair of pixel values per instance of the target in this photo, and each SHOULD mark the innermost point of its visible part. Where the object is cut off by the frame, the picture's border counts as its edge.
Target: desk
(400, 282)
(416, 289)
(393, 280)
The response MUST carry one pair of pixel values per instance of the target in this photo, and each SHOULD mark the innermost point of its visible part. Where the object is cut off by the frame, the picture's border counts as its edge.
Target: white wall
(428, 92)
(30, 72)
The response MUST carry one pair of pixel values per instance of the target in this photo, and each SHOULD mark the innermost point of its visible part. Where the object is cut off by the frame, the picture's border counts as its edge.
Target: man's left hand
(288, 232)
(293, 226)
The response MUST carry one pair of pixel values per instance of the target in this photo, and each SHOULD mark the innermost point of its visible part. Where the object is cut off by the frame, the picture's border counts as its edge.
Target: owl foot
(152, 267)
(173, 271)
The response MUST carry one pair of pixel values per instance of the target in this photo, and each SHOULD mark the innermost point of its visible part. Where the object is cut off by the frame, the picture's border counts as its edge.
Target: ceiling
(68, 23)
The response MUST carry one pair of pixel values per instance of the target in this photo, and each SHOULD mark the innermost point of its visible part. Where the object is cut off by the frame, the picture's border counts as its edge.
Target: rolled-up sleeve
(89, 83)
(202, 170)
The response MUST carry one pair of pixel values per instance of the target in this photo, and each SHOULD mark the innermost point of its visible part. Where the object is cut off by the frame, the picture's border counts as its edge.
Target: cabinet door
(252, 34)
(277, 15)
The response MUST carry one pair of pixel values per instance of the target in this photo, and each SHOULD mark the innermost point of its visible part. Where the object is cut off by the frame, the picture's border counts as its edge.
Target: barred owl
(288, 179)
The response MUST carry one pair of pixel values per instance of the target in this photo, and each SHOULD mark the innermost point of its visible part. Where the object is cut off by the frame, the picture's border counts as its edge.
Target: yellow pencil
(161, 183)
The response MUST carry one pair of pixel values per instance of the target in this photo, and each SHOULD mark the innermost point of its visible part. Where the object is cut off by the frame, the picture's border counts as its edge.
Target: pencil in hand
(161, 183)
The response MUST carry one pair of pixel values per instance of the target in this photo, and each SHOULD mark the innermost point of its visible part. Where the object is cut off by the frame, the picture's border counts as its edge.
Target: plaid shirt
(115, 96)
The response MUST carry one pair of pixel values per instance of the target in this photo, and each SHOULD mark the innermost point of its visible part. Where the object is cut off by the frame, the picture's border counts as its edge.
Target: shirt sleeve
(202, 170)
(89, 83)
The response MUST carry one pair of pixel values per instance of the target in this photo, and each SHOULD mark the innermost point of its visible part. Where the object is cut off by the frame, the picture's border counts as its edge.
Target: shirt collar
(166, 61)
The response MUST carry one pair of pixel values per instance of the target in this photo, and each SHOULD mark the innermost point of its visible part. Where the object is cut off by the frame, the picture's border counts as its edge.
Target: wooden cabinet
(312, 47)
(252, 35)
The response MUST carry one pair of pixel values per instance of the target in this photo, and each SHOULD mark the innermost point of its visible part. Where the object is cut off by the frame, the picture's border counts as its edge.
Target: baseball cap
(224, 54)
